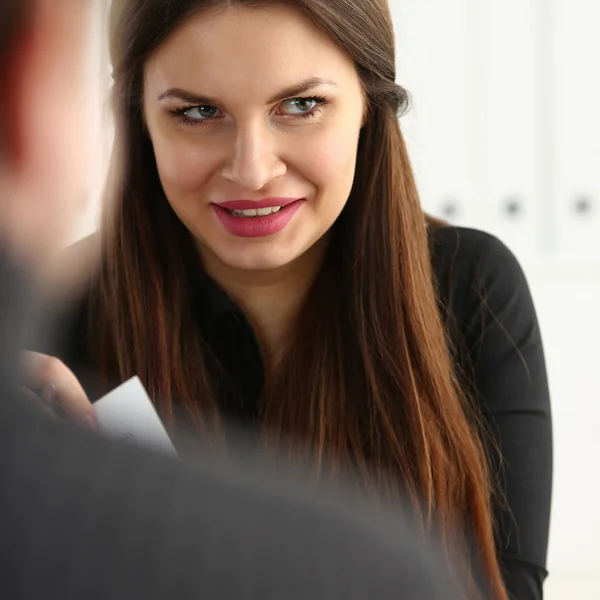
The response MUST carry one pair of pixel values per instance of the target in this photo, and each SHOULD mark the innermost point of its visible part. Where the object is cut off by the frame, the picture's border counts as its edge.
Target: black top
(84, 518)
(494, 332)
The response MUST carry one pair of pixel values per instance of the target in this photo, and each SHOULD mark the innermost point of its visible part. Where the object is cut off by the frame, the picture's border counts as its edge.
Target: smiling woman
(226, 129)
(269, 262)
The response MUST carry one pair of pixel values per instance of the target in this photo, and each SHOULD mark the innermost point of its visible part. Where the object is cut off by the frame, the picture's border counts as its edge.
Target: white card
(128, 414)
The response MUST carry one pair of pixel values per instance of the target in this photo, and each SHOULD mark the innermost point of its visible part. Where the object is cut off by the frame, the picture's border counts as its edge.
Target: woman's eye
(201, 113)
(298, 106)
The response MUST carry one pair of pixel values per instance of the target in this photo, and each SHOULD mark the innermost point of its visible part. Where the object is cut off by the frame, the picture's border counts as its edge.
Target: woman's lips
(250, 204)
(252, 224)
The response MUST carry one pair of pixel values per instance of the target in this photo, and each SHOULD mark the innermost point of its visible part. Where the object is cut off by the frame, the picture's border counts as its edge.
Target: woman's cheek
(182, 167)
(333, 158)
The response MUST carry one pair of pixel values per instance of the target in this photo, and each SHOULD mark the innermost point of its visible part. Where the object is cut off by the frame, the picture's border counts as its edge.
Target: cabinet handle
(583, 206)
(450, 209)
(513, 207)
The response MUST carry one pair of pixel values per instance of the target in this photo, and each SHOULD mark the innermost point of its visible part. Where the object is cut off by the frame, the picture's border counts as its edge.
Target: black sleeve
(499, 348)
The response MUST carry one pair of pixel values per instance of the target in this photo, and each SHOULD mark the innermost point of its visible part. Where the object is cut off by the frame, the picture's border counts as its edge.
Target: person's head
(207, 111)
(255, 101)
(44, 116)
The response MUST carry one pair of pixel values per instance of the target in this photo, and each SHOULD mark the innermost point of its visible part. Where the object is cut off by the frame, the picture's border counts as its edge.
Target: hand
(61, 392)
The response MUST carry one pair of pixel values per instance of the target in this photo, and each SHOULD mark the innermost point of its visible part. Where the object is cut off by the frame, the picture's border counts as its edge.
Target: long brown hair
(368, 377)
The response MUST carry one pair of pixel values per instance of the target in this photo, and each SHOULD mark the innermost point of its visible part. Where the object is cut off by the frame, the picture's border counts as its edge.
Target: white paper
(128, 414)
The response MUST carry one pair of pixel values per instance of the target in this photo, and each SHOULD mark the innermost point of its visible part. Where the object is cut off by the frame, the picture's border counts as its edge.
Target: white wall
(506, 112)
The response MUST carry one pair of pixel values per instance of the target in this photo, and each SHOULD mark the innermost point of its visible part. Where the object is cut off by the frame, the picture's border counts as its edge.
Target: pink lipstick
(248, 218)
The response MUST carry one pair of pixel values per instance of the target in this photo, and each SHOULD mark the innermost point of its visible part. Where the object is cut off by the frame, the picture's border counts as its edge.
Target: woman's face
(254, 116)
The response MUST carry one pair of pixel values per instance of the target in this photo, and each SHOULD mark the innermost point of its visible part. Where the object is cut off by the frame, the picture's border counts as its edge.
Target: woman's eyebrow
(301, 88)
(191, 97)
(290, 92)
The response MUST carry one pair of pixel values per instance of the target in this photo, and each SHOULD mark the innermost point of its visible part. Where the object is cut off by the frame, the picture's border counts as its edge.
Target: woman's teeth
(256, 212)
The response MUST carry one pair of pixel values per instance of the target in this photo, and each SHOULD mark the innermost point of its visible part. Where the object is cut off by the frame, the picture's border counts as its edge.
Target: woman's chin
(256, 264)
(263, 259)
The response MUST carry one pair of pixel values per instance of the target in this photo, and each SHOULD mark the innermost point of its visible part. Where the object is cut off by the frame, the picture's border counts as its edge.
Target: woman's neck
(270, 299)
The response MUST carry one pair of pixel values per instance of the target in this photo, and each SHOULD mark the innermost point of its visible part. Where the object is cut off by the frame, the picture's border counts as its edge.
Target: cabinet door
(575, 110)
(435, 59)
(507, 34)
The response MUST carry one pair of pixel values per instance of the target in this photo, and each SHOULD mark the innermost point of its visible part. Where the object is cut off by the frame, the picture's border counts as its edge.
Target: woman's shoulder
(469, 262)
(464, 246)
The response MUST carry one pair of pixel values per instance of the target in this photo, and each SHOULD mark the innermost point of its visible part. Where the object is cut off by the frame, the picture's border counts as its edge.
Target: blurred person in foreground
(81, 518)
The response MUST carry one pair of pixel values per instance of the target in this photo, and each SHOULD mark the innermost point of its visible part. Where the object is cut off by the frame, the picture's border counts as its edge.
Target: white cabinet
(473, 129)
(504, 133)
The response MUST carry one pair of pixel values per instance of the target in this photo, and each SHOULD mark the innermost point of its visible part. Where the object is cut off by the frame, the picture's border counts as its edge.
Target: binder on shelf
(510, 124)
(576, 128)
(434, 50)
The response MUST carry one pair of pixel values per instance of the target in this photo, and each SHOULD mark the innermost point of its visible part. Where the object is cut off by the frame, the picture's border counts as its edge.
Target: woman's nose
(254, 160)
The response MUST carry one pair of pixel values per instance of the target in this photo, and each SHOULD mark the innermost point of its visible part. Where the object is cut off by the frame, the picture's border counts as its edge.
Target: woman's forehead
(267, 48)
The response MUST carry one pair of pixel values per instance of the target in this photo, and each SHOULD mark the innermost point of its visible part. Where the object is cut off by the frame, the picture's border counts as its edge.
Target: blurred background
(504, 134)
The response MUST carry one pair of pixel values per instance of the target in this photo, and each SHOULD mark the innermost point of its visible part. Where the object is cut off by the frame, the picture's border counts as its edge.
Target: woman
(268, 261)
